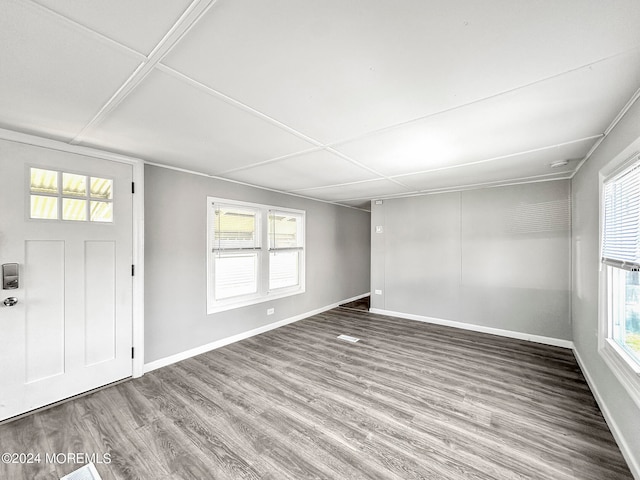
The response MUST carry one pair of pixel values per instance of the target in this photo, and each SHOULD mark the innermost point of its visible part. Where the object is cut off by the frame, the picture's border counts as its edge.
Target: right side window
(620, 320)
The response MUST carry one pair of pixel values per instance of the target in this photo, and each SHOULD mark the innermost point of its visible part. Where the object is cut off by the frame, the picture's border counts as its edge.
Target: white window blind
(285, 249)
(236, 242)
(621, 229)
(235, 228)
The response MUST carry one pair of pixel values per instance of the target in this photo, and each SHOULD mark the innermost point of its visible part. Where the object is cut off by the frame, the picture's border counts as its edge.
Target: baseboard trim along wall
(163, 362)
(556, 342)
(627, 453)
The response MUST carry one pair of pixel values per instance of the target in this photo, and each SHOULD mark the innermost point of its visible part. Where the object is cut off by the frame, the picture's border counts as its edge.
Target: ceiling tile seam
(388, 128)
(189, 18)
(355, 162)
(236, 103)
(246, 184)
(79, 26)
(471, 186)
(634, 98)
(271, 160)
(398, 182)
(181, 27)
(501, 157)
(345, 184)
(141, 71)
(500, 183)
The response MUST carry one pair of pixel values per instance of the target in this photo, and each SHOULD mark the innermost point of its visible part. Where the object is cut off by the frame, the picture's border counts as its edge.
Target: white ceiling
(342, 101)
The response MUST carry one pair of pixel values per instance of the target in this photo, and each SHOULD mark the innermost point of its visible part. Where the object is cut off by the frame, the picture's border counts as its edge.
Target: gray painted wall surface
(622, 141)
(337, 261)
(494, 257)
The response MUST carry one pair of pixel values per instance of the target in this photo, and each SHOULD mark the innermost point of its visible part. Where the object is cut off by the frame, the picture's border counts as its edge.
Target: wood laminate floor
(408, 401)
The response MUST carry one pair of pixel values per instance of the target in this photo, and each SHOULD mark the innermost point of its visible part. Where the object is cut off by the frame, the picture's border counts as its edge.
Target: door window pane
(44, 181)
(74, 209)
(50, 189)
(44, 207)
(74, 185)
(101, 212)
(101, 188)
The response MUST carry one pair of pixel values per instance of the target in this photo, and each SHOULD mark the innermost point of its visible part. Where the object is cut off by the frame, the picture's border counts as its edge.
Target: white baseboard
(556, 342)
(163, 362)
(633, 461)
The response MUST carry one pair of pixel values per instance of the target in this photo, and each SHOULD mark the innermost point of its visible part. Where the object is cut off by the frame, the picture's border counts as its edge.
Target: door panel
(44, 309)
(71, 330)
(100, 315)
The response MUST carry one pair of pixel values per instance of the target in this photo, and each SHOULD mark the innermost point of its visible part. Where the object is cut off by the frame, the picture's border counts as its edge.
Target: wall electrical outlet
(378, 292)
(270, 311)
(379, 229)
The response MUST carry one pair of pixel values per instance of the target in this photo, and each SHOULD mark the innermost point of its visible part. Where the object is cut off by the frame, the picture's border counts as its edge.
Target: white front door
(66, 220)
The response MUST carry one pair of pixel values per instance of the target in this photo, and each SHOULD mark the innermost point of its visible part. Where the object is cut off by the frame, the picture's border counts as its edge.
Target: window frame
(263, 251)
(60, 196)
(624, 367)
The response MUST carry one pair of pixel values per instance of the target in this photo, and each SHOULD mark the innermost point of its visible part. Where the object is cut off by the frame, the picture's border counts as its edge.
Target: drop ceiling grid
(225, 28)
(612, 49)
(170, 122)
(186, 21)
(51, 76)
(137, 25)
(312, 169)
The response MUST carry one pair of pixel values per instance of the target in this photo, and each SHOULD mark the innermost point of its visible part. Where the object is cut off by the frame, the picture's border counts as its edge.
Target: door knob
(10, 301)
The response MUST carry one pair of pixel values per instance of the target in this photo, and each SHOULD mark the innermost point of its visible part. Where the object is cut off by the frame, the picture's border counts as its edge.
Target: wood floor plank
(22, 440)
(66, 433)
(408, 401)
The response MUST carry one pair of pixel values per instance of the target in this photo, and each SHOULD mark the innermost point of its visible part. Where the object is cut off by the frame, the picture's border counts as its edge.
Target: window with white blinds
(621, 228)
(256, 253)
(285, 248)
(619, 285)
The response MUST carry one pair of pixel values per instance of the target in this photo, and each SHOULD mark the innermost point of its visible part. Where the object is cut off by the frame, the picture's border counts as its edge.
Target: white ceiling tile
(53, 78)
(167, 120)
(362, 190)
(139, 25)
(334, 70)
(530, 166)
(313, 169)
(566, 108)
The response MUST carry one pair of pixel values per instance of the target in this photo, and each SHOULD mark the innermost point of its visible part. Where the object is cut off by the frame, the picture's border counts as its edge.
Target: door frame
(138, 226)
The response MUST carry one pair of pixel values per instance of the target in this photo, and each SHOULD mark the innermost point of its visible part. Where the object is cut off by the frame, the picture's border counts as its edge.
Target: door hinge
(133, 270)
(132, 349)
(133, 187)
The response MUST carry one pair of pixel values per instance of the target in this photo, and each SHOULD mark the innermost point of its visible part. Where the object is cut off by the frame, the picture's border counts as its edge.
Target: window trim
(619, 361)
(264, 294)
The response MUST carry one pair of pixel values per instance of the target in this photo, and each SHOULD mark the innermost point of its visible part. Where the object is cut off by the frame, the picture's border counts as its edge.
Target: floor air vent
(347, 338)
(88, 472)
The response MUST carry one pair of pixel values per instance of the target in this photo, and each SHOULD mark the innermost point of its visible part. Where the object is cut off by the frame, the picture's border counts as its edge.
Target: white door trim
(138, 225)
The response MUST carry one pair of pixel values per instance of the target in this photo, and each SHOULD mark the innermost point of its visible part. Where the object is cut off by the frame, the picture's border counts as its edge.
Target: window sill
(232, 305)
(625, 369)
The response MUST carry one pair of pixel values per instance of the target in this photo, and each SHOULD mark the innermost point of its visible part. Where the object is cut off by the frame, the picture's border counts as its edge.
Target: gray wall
(493, 257)
(337, 261)
(624, 414)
